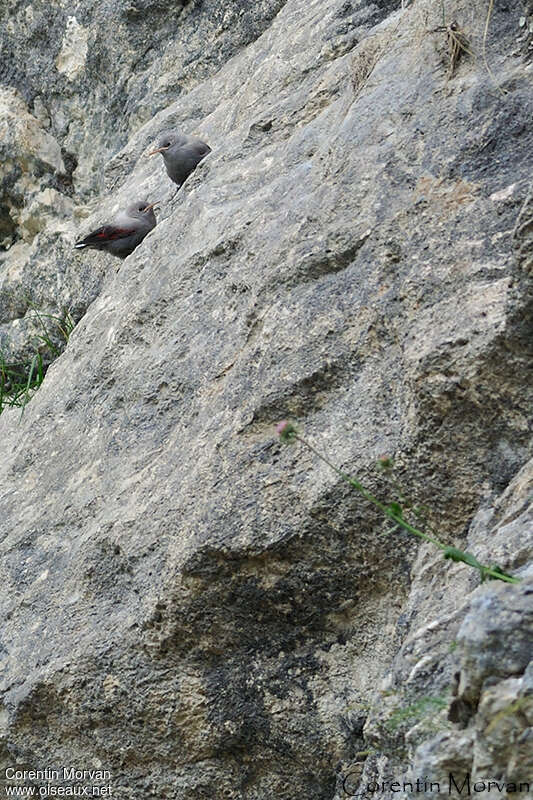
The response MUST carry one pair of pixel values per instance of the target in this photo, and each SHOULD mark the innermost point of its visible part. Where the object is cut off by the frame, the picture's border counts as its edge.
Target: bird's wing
(201, 147)
(107, 233)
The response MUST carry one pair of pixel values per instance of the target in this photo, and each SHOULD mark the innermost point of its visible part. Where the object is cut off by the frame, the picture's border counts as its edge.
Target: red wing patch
(110, 232)
(106, 233)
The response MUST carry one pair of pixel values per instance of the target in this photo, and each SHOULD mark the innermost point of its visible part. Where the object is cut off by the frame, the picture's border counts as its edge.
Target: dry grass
(458, 44)
(366, 56)
(445, 196)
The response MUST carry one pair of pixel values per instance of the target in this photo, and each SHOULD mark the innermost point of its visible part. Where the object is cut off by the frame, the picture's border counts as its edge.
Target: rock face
(186, 603)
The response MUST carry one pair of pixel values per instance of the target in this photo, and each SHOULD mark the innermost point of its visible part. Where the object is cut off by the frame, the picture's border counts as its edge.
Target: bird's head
(142, 210)
(167, 141)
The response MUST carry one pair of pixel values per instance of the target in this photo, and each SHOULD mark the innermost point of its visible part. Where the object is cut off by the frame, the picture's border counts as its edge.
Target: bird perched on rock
(181, 154)
(121, 236)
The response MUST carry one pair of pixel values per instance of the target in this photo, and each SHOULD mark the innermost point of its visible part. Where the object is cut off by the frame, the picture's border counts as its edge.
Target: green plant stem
(18, 382)
(28, 383)
(487, 571)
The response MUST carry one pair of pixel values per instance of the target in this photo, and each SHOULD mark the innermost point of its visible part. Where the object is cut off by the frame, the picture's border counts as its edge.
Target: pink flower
(286, 431)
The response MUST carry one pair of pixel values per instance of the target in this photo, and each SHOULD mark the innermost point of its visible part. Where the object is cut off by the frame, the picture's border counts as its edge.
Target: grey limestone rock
(185, 602)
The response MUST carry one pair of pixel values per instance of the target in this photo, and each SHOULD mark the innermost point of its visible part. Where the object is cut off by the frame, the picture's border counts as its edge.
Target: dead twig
(458, 44)
(484, 49)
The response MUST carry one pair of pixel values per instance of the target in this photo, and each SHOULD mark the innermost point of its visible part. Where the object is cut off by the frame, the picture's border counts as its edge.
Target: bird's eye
(167, 144)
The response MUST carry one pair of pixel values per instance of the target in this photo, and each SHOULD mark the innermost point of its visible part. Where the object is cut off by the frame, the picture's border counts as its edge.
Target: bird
(181, 154)
(121, 236)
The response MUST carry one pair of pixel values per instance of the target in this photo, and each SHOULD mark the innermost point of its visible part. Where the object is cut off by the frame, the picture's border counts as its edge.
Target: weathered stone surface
(28, 153)
(457, 699)
(185, 602)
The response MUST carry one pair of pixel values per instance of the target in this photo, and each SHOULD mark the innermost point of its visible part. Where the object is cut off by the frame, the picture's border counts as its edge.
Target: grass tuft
(20, 380)
(457, 43)
(411, 714)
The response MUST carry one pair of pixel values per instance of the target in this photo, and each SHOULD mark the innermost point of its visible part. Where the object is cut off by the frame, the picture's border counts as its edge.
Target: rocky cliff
(188, 606)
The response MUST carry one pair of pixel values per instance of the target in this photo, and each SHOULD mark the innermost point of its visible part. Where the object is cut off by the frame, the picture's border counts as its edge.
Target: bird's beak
(151, 206)
(154, 152)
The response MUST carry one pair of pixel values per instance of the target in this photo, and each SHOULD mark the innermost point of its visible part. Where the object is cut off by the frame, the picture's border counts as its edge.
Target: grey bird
(181, 154)
(121, 236)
